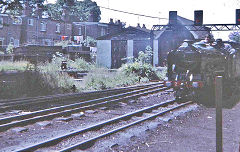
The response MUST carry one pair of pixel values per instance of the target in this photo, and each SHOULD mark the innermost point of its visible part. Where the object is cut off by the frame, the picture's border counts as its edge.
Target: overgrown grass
(48, 78)
(161, 73)
(15, 66)
(100, 79)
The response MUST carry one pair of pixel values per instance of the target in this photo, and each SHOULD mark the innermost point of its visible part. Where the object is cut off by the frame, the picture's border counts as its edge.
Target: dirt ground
(193, 132)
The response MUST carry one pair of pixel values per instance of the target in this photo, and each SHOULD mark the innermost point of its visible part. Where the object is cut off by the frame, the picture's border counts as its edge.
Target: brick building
(33, 28)
(95, 29)
(10, 31)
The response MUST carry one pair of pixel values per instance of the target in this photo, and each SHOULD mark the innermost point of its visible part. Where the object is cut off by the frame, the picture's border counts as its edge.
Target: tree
(80, 9)
(234, 36)
(14, 7)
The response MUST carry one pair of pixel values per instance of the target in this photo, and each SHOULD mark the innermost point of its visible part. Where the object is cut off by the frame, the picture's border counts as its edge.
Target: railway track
(150, 112)
(25, 103)
(66, 110)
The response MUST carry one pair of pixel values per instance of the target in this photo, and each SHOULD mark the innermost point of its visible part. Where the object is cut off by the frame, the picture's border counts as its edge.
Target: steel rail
(52, 115)
(84, 143)
(20, 102)
(97, 127)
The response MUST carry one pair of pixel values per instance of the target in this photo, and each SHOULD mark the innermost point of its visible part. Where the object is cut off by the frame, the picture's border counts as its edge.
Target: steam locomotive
(193, 66)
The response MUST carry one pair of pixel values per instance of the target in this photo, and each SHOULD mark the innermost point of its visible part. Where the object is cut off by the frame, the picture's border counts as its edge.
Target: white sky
(214, 11)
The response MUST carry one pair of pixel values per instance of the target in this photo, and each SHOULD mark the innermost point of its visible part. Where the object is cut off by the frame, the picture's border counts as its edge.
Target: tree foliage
(79, 9)
(234, 36)
(14, 7)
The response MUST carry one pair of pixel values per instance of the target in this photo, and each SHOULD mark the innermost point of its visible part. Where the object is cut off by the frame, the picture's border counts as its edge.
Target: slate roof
(129, 33)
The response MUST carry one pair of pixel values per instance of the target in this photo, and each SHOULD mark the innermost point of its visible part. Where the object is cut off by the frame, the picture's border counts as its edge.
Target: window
(47, 42)
(17, 20)
(58, 28)
(43, 27)
(12, 40)
(80, 31)
(1, 22)
(69, 26)
(103, 31)
(30, 22)
(1, 42)
(16, 43)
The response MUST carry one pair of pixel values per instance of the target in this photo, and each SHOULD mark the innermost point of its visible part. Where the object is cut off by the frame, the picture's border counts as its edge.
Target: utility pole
(218, 98)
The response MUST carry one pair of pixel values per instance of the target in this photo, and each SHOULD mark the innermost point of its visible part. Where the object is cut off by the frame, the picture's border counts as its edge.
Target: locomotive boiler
(192, 69)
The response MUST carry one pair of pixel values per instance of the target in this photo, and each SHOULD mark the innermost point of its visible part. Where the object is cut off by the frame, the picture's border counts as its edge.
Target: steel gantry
(192, 27)
(203, 27)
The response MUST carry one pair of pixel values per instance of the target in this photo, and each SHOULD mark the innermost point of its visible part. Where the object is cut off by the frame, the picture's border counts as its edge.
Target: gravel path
(192, 132)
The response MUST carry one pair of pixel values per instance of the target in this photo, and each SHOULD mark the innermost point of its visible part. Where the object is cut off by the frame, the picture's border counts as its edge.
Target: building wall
(170, 40)
(9, 32)
(35, 34)
(130, 48)
(104, 53)
(25, 33)
(140, 45)
(155, 52)
(93, 31)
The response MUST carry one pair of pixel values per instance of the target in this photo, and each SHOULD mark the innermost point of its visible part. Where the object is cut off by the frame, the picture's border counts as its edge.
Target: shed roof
(185, 21)
(130, 33)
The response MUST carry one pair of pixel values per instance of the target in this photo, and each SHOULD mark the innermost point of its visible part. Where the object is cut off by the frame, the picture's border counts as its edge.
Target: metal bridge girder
(204, 27)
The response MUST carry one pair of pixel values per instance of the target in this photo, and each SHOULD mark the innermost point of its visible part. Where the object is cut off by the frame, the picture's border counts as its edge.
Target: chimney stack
(27, 10)
(119, 23)
(111, 21)
(39, 12)
(144, 26)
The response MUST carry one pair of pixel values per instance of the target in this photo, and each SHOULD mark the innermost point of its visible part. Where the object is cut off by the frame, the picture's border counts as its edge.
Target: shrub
(81, 65)
(141, 67)
(90, 42)
(52, 75)
(9, 49)
(234, 36)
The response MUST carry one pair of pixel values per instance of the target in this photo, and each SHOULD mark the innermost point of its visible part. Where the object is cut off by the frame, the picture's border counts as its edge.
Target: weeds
(15, 66)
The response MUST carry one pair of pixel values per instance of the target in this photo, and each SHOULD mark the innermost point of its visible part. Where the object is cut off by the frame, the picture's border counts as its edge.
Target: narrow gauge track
(84, 144)
(66, 110)
(25, 102)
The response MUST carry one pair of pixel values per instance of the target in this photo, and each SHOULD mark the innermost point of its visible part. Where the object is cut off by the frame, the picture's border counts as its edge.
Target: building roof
(185, 21)
(129, 33)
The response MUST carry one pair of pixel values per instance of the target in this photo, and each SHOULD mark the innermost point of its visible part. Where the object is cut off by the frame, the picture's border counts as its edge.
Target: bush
(141, 67)
(52, 75)
(9, 49)
(90, 42)
(81, 65)
(234, 36)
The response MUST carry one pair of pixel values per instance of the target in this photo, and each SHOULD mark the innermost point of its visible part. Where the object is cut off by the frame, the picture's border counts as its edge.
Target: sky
(214, 11)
